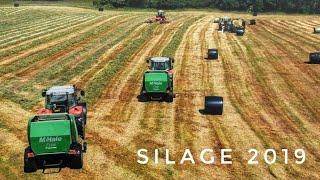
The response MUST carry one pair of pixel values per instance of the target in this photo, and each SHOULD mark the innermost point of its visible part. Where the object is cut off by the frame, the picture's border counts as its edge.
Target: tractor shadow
(203, 112)
(310, 63)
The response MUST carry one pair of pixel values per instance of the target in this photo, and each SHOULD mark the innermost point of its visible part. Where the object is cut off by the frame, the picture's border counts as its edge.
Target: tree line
(290, 6)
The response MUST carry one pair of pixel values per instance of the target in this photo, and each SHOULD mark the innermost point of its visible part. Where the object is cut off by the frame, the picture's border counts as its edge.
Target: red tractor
(66, 99)
(160, 17)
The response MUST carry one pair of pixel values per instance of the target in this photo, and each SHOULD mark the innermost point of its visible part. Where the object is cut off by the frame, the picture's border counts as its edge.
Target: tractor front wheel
(76, 161)
(29, 163)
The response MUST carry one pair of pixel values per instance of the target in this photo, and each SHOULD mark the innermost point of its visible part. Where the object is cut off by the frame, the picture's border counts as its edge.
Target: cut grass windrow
(38, 32)
(95, 87)
(63, 72)
(13, 67)
(172, 47)
(24, 49)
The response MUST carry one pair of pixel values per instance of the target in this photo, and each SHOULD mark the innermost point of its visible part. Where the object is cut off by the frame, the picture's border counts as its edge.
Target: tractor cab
(66, 99)
(160, 63)
(161, 13)
(60, 99)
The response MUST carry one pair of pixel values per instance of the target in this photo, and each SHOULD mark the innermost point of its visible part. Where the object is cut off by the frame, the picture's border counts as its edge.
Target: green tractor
(158, 81)
(66, 99)
(53, 142)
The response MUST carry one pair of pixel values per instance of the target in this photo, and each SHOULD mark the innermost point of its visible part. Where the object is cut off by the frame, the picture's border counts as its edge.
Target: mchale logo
(50, 139)
(156, 83)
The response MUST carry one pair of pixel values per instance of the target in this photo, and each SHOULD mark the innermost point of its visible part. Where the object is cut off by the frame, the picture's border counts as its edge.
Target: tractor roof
(160, 59)
(51, 117)
(57, 90)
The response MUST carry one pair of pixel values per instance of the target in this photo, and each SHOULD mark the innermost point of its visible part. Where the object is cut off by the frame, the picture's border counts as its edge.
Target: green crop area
(271, 94)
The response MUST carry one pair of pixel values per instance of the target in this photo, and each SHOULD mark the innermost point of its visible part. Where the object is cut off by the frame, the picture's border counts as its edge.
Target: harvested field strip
(307, 75)
(66, 72)
(13, 40)
(23, 50)
(42, 52)
(243, 100)
(105, 57)
(194, 92)
(277, 105)
(310, 115)
(289, 31)
(100, 80)
(184, 125)
(27, 27)
(47, 26)
(95, 41)
(212, 83)
(295, 47)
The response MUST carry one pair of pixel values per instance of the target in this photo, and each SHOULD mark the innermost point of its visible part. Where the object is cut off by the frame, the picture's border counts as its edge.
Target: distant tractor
(160, 17)
(213, 105)
(225, 24)
(158, 80)
(65, 99)
(316, 30)
(53, 142)
(213, 53)
(314, 58)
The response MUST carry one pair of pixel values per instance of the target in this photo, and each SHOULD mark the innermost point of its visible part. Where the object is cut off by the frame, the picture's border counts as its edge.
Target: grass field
(271, 95)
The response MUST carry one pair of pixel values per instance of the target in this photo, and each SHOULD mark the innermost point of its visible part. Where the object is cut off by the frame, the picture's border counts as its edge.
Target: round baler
(213, 105)
(53, 142)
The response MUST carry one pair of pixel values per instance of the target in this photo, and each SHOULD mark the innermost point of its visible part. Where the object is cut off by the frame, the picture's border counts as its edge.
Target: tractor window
(61, 99)
(160, 66)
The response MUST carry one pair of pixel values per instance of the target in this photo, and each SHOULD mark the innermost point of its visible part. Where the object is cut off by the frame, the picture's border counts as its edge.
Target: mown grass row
(42, 27)
(27, 18)
(53, 50)
(46, 22)
(172, 47)
(32, 44)
(60, 72)
(96, 85)
(61, 24)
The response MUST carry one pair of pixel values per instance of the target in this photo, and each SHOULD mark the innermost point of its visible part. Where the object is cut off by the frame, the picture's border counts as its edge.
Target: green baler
(53, 142)
(157, 85)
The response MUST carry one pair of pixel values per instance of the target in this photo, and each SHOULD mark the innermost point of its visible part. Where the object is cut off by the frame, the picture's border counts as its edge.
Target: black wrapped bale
(213, 105)
(101, 8)
(16, 4)
(255, 13)
(314, 58)
(252, 22)
(213, 54)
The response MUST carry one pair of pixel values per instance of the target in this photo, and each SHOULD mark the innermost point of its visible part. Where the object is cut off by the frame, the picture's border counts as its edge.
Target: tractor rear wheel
(76, 161)
(29, 163)
(170, 97)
